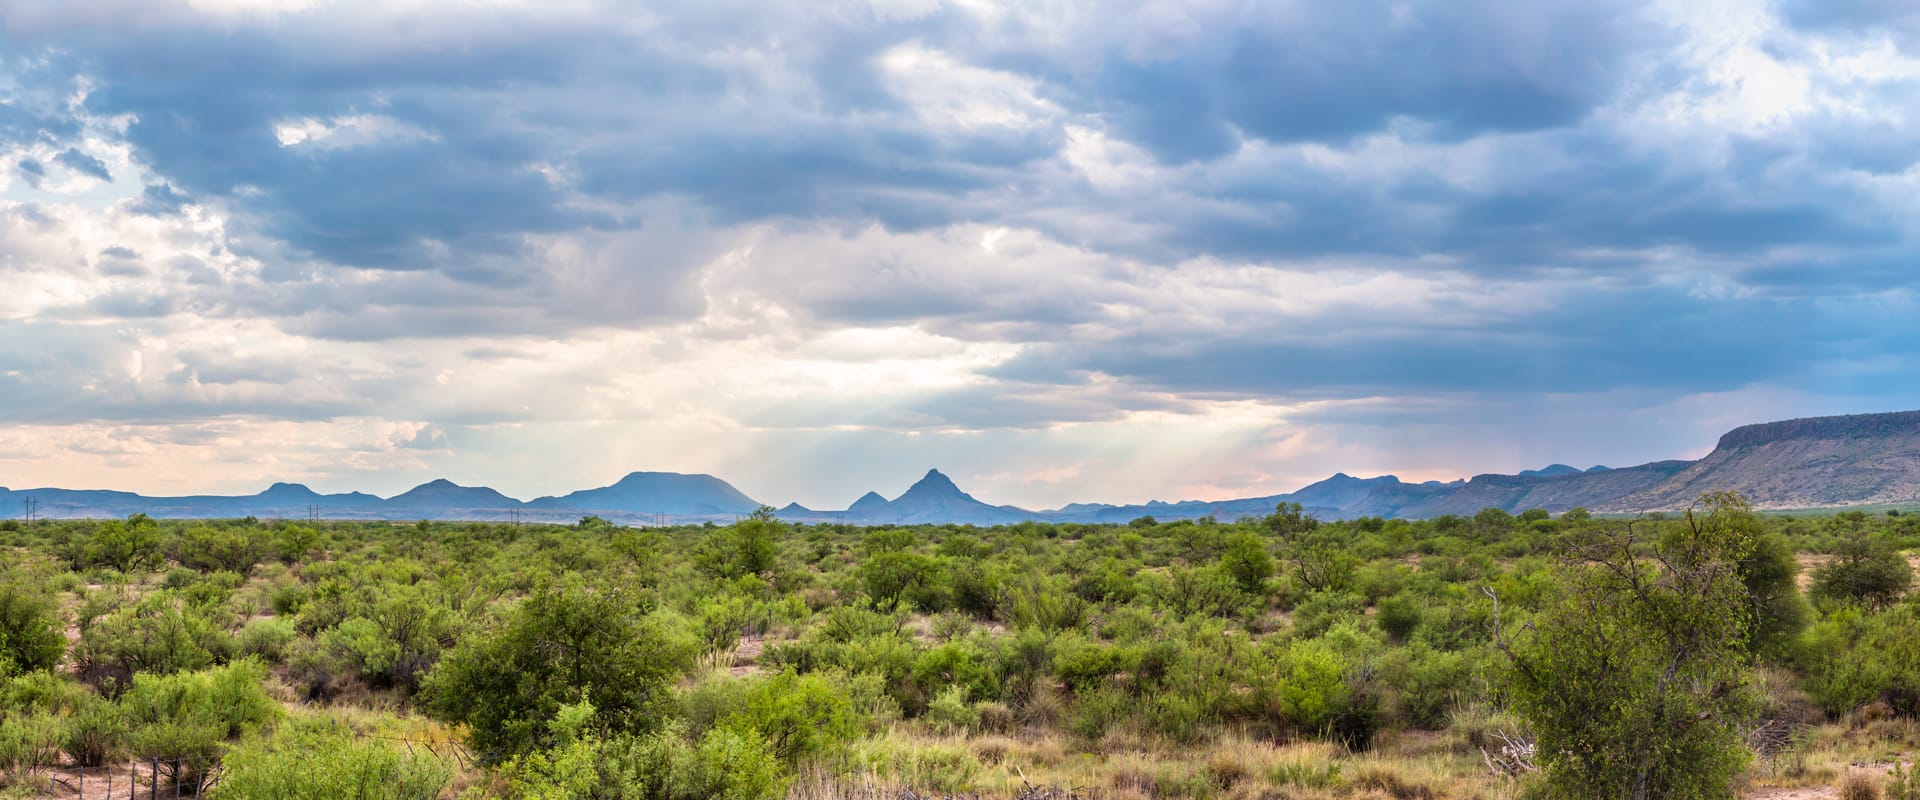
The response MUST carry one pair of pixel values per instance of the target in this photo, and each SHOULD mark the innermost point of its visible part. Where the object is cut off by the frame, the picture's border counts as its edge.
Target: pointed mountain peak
(934, 481)
(868, 502)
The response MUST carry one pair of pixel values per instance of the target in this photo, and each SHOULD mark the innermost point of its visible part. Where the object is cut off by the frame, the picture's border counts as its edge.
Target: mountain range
(1801, 463)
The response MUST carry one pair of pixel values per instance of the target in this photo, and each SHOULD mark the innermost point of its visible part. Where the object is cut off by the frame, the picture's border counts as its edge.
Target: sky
(1063, 251)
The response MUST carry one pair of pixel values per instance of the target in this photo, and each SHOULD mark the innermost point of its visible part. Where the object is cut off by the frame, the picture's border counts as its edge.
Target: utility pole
(30, 503)
(313, 514)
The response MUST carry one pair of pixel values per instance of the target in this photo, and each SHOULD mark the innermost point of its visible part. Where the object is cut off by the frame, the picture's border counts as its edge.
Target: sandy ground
(1879, 769)
(119, 782)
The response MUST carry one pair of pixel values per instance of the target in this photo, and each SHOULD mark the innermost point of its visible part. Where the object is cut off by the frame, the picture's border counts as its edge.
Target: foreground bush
(562, 646)
(30, 637)
(310, 761)
(186, 719)
(1636, 679)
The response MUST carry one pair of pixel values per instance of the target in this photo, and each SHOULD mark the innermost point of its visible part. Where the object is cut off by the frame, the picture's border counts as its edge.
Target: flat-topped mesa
(1852, 426)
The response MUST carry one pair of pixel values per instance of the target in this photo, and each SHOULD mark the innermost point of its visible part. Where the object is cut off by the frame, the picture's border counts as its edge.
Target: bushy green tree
(1636, 677)
(748, 547)
(1322, 559)
(562, 645)
(1866, 569)
(1247, 560)
(125, 545)
(1289, 520)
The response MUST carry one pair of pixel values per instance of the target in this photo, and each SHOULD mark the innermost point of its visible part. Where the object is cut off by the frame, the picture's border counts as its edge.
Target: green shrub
(1095, 712)
(30, 629)
(1304, 688)
(1399, 615)
(95, 732)
(1040, 604)
(1854, 657)
(723, 765)
(962, 663)
(212, 549)
(267, 637)
(1778, 611)
(187, 718)
(1866, 570)
(1178, 716)
(155, 636)
(950, 713)
(1426, 683)
(799, 717)
(28, 742)
(320, 761)
(748, 547)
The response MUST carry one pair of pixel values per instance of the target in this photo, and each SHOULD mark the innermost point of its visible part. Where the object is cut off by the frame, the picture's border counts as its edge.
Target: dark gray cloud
(1898, 18)
(73, 159)
(1190, 83)
(159, 200)
(1652, 338)
(32, 171)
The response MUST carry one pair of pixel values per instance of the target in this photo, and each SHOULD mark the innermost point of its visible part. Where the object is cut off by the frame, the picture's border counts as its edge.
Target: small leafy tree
(1247, 561)
(1636, 678)
(1322, 561)
(125, 545)
(562, 645)
(1866, 570)
(748, 547)
(1289, 520)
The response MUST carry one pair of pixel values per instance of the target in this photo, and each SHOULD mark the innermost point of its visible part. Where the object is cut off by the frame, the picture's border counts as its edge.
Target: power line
(30, 502)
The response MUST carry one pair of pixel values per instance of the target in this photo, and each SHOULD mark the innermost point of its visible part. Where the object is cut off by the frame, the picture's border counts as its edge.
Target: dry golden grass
(1129, 766)
(1412, 765)
(1859, 786)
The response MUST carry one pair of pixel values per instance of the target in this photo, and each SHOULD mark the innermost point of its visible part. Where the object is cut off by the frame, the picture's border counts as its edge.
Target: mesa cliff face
(1801, 463)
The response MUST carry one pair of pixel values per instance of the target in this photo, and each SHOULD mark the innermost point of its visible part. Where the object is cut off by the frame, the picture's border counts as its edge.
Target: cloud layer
(1063, 251)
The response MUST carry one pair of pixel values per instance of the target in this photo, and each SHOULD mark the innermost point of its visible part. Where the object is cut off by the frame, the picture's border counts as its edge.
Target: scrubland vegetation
(1710, 654)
